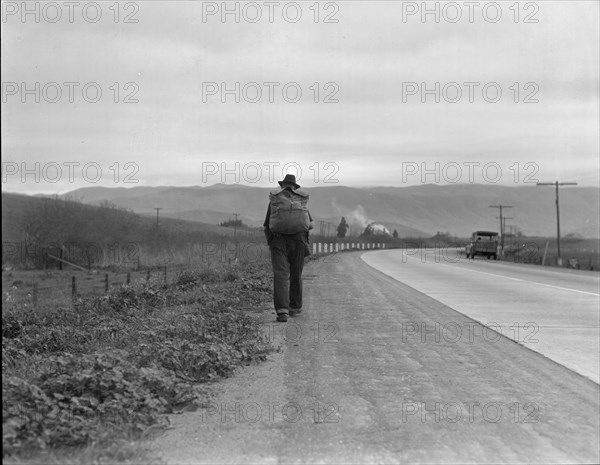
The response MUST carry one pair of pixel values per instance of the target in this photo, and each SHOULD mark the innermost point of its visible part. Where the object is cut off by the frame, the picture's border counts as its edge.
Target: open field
(586, 252)
(84, 376)
(108, 236)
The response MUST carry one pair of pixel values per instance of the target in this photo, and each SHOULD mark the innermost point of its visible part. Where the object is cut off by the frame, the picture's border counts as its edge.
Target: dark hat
(290, 179)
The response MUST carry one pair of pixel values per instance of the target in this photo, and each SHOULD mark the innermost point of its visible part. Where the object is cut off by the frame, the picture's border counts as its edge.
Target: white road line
(527, 281)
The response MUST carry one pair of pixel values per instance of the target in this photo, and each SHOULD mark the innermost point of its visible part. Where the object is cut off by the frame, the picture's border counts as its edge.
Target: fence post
(105, 282)
(545, 252)
(73, 287)
(60, 263)
(128, 277)
(165, 272)
(34, 295)
(148, 275)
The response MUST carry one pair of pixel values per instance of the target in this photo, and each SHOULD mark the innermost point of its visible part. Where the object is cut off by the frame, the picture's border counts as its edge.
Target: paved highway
(555, 312)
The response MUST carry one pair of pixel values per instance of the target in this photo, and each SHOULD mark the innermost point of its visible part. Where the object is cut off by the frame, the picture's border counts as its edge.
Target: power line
(556, 184)
(501, 225)
(504, 218)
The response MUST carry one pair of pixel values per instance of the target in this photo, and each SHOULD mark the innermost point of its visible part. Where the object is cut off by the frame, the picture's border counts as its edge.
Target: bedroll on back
(289, 211)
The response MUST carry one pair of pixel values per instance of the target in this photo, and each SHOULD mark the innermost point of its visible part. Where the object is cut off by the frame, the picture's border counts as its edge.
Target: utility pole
(501, 226)
(512, 229)
(235, 223)
(504, 218)
(157, 210)
(556, 184)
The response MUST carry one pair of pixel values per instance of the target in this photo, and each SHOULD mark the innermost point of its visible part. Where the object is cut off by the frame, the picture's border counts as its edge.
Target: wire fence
(72, 286)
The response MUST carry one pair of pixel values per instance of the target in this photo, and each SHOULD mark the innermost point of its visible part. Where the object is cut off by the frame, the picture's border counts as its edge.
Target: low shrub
(111, 366)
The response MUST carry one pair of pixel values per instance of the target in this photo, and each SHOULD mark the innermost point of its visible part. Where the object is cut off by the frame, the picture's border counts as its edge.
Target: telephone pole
(504, 218)
(556, 184)
(501, 226)
(157, 210)
(235, 223)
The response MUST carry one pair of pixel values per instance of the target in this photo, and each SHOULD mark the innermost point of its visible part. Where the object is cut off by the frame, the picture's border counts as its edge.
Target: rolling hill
(15, 208)
(413, 211)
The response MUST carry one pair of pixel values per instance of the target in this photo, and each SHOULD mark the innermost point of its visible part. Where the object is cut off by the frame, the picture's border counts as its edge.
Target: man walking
(286, 228)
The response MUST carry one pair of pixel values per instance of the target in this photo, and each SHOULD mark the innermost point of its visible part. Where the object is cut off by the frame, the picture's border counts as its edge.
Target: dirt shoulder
(358, 382)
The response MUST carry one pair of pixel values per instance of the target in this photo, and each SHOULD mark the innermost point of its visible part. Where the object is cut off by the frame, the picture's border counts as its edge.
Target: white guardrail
(320, 247)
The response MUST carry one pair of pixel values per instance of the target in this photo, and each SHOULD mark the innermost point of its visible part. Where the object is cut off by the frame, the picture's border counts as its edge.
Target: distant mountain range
(412, 211)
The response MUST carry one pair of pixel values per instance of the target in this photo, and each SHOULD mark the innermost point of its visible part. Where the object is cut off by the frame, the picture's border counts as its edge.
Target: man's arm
(267, 218)
(267, 231)
(312, 223)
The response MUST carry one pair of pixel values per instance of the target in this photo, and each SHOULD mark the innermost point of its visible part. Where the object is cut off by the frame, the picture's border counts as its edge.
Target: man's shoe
(295, 311)
(282, 317)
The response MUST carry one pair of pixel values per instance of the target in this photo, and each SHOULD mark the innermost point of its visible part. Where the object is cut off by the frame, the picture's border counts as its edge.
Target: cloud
(368, 54)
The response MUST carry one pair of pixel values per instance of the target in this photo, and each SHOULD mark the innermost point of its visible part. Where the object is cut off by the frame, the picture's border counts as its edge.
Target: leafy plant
(112, 366)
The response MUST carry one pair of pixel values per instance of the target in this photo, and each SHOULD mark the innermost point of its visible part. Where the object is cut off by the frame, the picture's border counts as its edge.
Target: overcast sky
(376, 130)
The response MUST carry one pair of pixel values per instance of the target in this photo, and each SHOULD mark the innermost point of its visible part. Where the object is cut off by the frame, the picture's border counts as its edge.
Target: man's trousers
(287, 258)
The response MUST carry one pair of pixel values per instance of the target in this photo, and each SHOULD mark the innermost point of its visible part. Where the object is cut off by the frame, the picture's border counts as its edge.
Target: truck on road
(483, 243)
